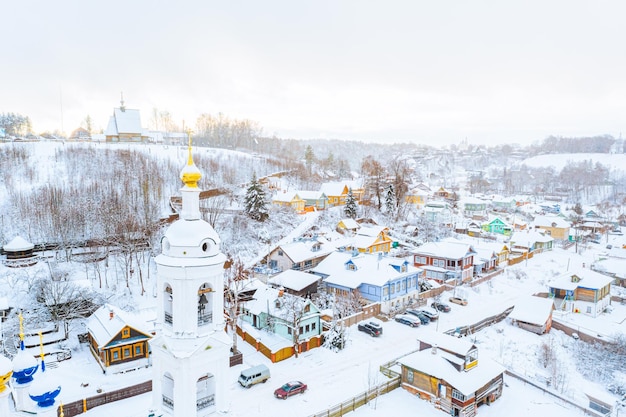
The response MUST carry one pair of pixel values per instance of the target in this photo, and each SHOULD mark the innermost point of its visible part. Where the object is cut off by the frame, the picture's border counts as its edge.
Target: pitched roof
(302, 250)
(548, 221)
(438, 365)
(127, 121)
(18, 243)
(587, 279)
(294, 280)
(533, 310)
(368, 269)
(106, 322)
(445, 249)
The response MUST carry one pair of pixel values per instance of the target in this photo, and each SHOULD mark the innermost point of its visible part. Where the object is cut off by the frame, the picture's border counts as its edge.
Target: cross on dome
(190, 175)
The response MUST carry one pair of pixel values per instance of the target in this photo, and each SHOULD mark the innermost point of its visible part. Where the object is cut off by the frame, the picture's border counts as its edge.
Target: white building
(191, 354)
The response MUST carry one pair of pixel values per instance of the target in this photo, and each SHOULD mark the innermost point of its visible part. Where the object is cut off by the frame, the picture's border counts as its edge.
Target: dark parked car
(289, 389)
(431, 313)
(419, 315)
(408, 319)
(371, 328)
(440, 306)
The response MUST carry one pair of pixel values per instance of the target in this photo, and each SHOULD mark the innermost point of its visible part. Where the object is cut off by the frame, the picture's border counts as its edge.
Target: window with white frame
(457, 395)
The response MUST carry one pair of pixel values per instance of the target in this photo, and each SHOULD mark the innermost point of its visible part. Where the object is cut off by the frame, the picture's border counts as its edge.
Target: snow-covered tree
(350, 210)
(255, 203)
(390, 201)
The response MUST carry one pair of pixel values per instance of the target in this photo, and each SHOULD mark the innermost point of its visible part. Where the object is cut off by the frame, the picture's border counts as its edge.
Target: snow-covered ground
(333, 377)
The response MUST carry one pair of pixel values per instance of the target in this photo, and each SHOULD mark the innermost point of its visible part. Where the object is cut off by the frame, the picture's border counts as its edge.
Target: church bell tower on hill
(191, 353)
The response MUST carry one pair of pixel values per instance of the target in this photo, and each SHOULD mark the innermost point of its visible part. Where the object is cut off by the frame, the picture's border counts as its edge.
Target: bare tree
(236, 279)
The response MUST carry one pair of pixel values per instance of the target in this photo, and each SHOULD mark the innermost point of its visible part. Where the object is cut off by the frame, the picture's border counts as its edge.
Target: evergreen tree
(350, 210)
(390, 200)
(255, 203)
(309, 158)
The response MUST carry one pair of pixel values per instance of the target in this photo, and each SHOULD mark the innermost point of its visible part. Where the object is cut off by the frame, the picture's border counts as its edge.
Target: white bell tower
(191, 354)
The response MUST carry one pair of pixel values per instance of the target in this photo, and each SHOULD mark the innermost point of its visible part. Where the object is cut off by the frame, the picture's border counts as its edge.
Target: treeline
(592, 144)
(15, 124)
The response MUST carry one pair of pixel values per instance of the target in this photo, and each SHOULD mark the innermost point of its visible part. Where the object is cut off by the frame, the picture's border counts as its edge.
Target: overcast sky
(423, 71)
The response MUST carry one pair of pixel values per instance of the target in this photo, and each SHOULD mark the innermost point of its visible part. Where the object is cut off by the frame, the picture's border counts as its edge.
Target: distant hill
(616, 162)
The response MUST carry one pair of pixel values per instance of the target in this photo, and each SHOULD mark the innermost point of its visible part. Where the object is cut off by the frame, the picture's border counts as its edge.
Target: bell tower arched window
(205, 304)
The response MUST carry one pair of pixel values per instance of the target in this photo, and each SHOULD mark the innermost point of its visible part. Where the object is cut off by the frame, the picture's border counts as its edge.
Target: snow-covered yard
(334, 377)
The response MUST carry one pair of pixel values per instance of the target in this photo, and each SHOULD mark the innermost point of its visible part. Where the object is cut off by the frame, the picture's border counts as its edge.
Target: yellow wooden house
(371, 240)
(289, 199)
(114, 341)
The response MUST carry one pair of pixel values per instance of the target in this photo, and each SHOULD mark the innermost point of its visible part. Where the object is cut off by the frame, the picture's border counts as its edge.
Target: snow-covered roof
(438, 365)
(333, 188)
(350, 224)
(294, 280)
(302, 250)
(445, 341)
(127, 121)
(528, 237)
(107, 321)
(550, 221)
(587, 279)
(265, 301)
(4, 303)
(533, 310)
(18, 244)
(445, 249)
(286, 196)
(311, 195)
(368, 268)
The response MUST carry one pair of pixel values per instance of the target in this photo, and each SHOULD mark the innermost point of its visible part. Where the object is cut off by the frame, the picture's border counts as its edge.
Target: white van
(254, 375)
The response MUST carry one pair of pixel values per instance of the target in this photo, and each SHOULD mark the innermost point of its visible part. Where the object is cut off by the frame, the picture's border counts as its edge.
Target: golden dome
(190, 175)
(4, 379)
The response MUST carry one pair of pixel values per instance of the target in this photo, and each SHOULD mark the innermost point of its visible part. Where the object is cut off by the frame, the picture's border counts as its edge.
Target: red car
(289, 389)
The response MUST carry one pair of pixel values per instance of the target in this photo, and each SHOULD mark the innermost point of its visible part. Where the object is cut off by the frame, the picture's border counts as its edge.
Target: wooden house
(371, 239)
(583, 291)
(438, 212)
(447, 372)
(314, 200)
(533, 314)
(348, 227)
(125, 126)
(446, 260)
(114, 341)
(298, 283)
(336, 192)
(299, 255)
(485, 260)
(474, 208)
(281, 313)
(417, 196)
(289, 199)
(555, 226)
(392, 282)
(503, 204)
(442, 193)
(499, 226)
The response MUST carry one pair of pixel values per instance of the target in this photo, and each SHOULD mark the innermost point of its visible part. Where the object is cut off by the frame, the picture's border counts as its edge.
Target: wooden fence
(78, 407)
(367, 312)
(283, 353)
(359, 400)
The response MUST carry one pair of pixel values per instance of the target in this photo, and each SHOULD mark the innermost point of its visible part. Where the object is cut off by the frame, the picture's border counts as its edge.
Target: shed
(533, 314)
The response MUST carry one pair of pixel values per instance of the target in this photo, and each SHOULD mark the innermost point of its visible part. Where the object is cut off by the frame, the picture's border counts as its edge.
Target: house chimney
(111, 314)
(433, 349)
